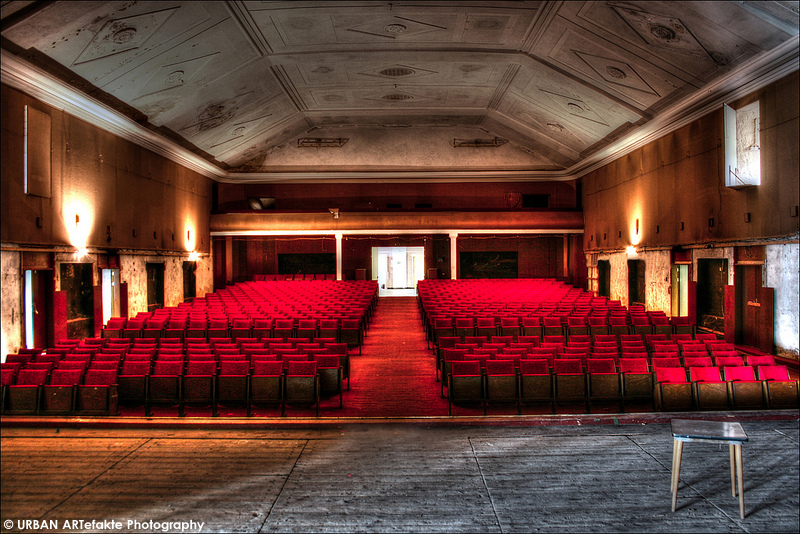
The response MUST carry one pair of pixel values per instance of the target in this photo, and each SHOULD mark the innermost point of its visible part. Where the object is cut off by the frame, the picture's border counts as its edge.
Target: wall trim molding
(381, 231)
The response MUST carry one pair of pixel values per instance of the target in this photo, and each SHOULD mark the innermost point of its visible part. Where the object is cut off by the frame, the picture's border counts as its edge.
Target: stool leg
(731, 449)
(741, 479)
(677, 451)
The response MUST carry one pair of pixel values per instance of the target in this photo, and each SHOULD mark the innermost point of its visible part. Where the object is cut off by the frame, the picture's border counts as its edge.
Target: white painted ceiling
(399, 83)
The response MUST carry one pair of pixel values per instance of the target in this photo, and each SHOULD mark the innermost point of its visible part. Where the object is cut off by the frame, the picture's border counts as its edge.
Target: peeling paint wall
(657, 278)
(11, 302)
(618, 277)
(133, 271)
(658, 267)
(783, 273)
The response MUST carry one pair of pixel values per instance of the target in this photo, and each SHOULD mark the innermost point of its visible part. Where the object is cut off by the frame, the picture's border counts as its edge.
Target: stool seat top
(692, 429)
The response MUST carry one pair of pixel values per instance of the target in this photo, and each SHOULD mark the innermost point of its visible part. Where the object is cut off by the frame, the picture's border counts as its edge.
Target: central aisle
(394, 376)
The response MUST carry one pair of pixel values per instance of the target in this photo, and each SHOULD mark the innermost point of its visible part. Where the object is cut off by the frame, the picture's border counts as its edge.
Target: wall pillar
(453, 255)
(338, 236)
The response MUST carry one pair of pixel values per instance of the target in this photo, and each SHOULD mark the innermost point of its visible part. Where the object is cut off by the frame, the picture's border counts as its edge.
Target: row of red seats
(568, 381)
(711, 387)
(39, 389)
(99, 392)
(259, 310)
(299, 276)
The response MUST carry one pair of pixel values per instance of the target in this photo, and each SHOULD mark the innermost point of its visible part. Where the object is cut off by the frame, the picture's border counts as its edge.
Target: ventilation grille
(397, 97)
(396, 72)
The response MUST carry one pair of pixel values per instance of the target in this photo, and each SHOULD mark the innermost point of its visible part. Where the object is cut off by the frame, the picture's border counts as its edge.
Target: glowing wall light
(190, 237)
(635, 230)
(194, 256)
(631, 250)
(78, 220)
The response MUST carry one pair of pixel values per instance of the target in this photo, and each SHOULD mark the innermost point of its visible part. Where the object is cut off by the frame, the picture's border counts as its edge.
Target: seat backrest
(466, 368)
(65, 377)
(739, 373)
(234, 367)
(601, 365)
(100, 377)
(700, 361)
(32, 377)
(301, 368)
(464, 322)
(532, 321)
(704, 374)
(104, 364)
(633, 365)
(706, 337)
(327, 361)
(167, 368)
(533, 367)
(336, 348)
(499, 367)
(671, 375)
(767, 372)
(759, 360)
(728, 361)
(567, 366)
(659, 363)
(135, 368)
(267, 368)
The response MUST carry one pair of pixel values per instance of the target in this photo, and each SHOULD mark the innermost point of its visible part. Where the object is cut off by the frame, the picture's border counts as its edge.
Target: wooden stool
(715, 431)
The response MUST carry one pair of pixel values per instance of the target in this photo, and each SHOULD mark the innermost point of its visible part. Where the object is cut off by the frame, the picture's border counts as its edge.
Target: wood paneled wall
(129, 197)
(675, 185)
(376, 197)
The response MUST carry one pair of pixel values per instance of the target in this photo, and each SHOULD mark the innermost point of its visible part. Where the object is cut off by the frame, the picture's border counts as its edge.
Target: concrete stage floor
(540, 475)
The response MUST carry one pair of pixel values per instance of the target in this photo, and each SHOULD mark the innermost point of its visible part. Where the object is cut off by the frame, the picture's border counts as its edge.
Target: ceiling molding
(751, 76)
(40, 85)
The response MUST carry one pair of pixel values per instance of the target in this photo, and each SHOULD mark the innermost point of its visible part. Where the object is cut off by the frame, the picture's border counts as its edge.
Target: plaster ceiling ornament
(393, 28)
(174, 75)
(663, 32)
(616, 72)
(575, 107)
(397, 71)
(122, 35)
(214, 115)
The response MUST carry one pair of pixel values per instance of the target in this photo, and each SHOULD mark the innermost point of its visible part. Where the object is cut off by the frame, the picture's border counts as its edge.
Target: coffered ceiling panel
(237, 83)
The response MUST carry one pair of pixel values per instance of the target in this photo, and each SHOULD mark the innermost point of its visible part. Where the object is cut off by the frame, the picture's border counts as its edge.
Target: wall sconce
(335, 212)
(194, 256)
(631, 250)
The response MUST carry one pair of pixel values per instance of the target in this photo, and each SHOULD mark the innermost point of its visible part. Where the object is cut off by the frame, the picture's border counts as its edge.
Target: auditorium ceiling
(293, 90)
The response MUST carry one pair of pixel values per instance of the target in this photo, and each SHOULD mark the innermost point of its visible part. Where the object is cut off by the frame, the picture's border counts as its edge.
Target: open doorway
(77, 283)
(398, 269)
(712, 277)
(679, 290)
(39, 289)
(604, 278)
(111, 298)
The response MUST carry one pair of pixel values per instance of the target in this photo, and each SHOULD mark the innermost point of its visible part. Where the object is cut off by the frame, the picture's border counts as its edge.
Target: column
(338, 236)
(453, 255)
